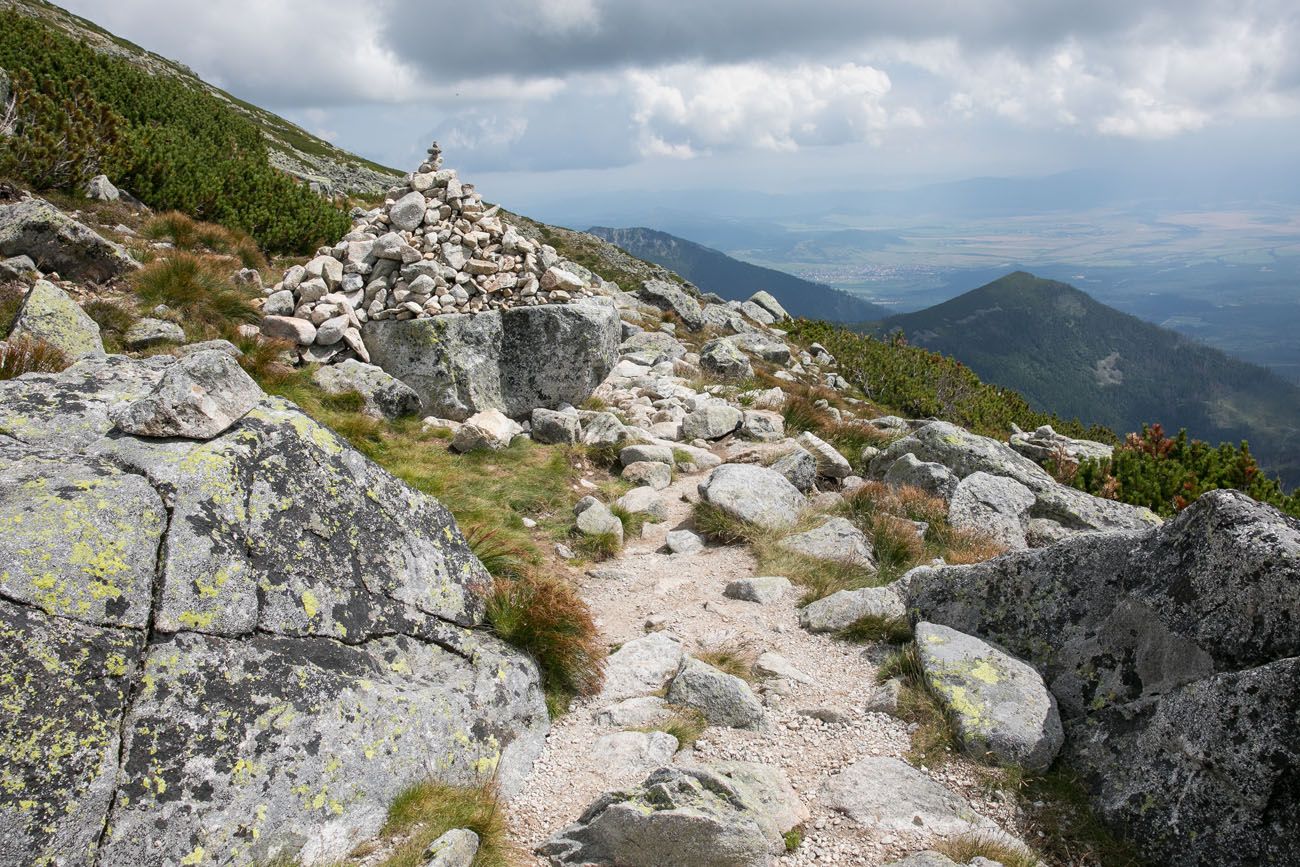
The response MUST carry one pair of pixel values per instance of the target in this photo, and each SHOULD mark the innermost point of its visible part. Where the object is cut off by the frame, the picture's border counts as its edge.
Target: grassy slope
(281, 135)
(714, 271)
(1044, 339)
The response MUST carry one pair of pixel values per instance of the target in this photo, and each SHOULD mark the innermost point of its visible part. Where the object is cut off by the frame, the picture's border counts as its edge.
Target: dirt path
(683, 594)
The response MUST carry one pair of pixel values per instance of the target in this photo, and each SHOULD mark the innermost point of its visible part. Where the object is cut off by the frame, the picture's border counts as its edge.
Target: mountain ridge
(736, 280)
(1068, 353)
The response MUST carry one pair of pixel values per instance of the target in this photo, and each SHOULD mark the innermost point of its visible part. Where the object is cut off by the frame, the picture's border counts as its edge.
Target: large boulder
(835, 539)
(305, 640)
(670, 297)
(843, 608)
(711, 421)
(830, 463)
(993, 505)
(723, 358)
(509, 360)
(198, 397)
(49, 314)
(731, 814)
(1045, 444)
(148, 332)
(1000, 705)
(886, 795)
(769, 303)
(1172, 654)
(642, 666)
(933, 478)
(56, 242)
(755, 495)
(965, 453)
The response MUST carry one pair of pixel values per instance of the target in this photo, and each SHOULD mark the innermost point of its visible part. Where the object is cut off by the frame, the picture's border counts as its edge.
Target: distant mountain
(714, 271)
(1072, 355)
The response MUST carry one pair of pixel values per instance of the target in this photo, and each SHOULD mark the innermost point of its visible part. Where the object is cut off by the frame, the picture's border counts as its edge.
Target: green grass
(793, 838)
(11, 301)
(200, 291)
(735, 660)
(1056, 805)
(601, 546)
(424, 812)
(934, 738)
(113, 321)
(633, 522)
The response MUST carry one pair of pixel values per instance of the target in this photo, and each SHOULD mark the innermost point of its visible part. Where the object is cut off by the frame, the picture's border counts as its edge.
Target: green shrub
(172, 144)
(1167, 474)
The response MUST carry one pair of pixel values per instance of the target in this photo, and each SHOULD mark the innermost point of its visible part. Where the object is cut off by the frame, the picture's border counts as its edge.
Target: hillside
(734, 280)
(291, 148)
(1071, 355)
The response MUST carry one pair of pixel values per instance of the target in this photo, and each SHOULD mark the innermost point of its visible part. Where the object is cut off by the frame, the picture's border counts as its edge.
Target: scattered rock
(642, 453)
(762, 425)
(933, 478)
(770, 304)
(722, 358)
(298, 331)
(597, 520)
(684, 542)
(667, 296)
(101, 189)
(835, 539)
(830, 463)
(889, 796)
(511, 360)
(723, 698)
(711, 422)
(644, 501)
(55, 242)
(456, 848)
(628, 752)
(774, 665)
(884, 697)
(385, 396)
(800, 468)
(604, 429)
(764, 589)
(650, 473)
(1045, 444)
(729, 815)
(753, 494)
(555, 427)
(642, 666)
(147, 332)
(843, 608)
(1001, 706)
(639, 711)
(993, 505)
(199, 397)
(488, 429)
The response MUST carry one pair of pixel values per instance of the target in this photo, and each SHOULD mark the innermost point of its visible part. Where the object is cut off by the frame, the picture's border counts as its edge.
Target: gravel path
(683, 594)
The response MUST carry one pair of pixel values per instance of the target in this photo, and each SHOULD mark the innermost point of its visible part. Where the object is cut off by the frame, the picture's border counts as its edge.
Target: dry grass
(966, 847)
(731, 659)
(30, 355)
(426, 811)
(546, 618)
(191, 235)
(684, 723)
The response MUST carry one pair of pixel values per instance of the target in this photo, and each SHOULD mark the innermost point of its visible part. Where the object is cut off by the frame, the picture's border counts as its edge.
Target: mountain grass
(424, 812)
(28, 354)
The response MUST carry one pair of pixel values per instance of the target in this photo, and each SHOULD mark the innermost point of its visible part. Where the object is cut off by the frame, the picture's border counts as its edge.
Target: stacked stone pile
(434, 248)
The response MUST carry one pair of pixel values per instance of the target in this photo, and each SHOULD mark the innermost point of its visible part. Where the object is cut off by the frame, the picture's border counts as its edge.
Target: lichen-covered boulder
(384, 395)
(965, 453)
(511, 360)
(722, 698)
(226, 650)
(669, 297)
(996, 506)
(1000, 705)
(48, 314)
(887, 795)
(56, 242)
(732, 814)
(723, 358)
(198, 397)
(1172, 656)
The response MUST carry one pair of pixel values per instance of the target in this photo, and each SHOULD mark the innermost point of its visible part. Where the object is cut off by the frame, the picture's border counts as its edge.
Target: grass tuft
(684, 723)
(547, 619)
(601, 546)
(113, 320)
(27, 354)
(11, 301)
(793, 838)
(209, 304)
(732, 659)
(424, 812)
(713, 523)
(967, 847)
(934, 739)
(875, 628)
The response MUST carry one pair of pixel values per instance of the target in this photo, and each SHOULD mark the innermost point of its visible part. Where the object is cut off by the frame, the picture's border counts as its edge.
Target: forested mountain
(1069, 354)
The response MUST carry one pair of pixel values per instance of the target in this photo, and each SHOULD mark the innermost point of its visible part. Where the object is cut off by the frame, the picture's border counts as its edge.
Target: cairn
(434, 248)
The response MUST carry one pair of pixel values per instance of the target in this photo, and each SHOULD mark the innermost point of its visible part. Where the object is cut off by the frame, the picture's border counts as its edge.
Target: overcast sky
(538, 96)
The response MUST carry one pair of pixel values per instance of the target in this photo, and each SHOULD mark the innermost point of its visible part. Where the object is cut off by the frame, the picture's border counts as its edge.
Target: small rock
(489, 429)
(684, 542)
(723, 698)
(763, 590)
(456, 848)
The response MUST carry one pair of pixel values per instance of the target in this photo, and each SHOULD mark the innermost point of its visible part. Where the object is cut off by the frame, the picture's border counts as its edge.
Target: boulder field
(238, 640)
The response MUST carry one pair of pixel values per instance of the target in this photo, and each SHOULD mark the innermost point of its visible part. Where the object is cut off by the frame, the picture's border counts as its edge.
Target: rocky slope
(331, 170)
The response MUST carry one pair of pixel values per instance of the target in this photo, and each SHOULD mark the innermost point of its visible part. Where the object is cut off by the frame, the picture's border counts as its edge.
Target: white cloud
(692, 109)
